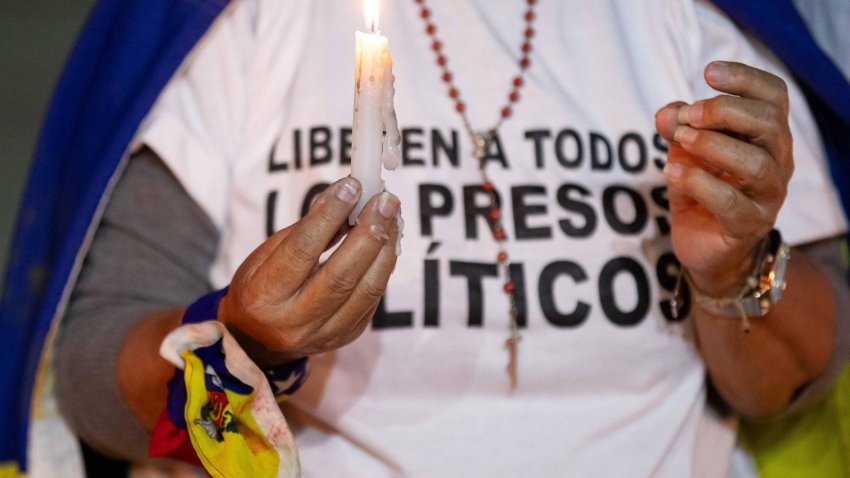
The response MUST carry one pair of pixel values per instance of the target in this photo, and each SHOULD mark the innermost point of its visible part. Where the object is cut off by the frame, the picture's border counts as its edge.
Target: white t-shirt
(608, 385)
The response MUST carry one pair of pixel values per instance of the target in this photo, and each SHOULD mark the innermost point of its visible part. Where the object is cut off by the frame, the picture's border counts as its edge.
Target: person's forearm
(758, 373)
(142, 373)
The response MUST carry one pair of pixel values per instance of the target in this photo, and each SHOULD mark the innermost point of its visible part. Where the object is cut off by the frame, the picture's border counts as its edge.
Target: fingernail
(682, 115)
(388, 205)
(685, 134)
(347, 190)
(718, 72)
(695, 112)
(673, 171)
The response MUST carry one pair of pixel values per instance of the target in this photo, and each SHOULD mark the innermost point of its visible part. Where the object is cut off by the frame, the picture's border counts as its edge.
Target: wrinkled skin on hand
(283, 305)
(729, 164)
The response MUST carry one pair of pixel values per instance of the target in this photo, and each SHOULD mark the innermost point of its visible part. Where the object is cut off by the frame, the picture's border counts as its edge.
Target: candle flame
(371, 10)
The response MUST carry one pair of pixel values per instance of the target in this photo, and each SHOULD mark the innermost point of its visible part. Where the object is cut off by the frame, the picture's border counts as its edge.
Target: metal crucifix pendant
(512, 344)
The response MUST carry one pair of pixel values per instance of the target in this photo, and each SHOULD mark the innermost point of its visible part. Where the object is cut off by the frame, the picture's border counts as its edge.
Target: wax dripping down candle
(375, 137)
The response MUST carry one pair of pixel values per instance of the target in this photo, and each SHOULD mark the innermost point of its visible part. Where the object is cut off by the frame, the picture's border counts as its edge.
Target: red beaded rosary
(481, 141)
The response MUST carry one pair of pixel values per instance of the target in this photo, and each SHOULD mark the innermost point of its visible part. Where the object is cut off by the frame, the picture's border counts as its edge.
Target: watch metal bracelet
(762, 290)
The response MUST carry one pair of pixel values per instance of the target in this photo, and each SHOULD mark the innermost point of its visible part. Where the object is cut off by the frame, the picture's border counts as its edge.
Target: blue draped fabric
(124, 57)
(126, 53)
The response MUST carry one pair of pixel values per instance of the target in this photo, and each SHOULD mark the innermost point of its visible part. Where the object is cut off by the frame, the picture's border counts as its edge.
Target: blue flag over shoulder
(124, 57)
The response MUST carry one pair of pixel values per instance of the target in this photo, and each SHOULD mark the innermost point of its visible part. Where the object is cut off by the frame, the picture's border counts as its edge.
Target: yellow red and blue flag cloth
(221, 412)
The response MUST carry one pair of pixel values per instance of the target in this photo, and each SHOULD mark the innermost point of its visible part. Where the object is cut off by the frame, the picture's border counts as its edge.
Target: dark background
(35, 38)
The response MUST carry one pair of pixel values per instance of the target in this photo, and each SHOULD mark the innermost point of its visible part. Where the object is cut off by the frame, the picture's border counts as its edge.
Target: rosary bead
(481, 140)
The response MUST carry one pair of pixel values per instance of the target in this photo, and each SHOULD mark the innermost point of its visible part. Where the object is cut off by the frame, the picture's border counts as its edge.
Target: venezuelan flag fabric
(221, 412)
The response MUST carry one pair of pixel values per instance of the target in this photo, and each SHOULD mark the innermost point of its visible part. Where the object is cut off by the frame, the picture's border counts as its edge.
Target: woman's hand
(283, 305)
(729, 163)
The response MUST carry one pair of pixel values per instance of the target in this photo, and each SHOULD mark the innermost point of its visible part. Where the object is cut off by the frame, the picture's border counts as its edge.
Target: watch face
(780, 266)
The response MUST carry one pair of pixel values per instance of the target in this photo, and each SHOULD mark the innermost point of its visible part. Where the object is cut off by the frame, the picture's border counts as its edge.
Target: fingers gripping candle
(375, 137)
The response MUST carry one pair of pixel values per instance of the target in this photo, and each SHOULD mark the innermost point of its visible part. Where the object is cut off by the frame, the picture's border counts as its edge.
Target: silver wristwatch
(764, 287)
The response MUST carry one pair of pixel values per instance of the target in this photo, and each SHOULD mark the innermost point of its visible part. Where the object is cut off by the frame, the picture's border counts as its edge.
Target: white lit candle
(375, 136)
